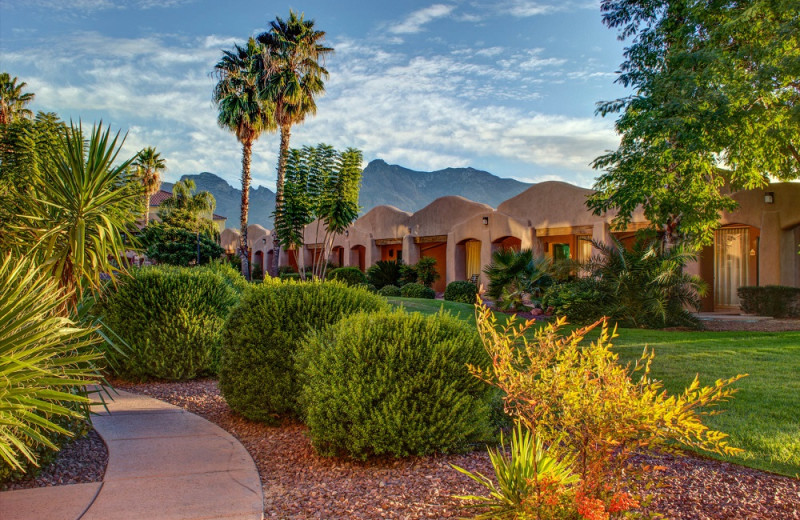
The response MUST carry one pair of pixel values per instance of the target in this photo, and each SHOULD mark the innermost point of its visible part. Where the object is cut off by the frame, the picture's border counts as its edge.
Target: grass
(763, 418)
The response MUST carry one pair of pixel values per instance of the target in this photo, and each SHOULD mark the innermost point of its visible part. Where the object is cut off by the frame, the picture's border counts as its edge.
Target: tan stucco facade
(550, 218)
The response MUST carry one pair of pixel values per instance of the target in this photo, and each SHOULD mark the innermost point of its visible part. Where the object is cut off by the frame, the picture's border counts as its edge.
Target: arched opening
(732, 262)
(435, 247)
(468, 259)
(269, 262)
(507, 242)
(358, 255)
(337, 256)
(258, 260)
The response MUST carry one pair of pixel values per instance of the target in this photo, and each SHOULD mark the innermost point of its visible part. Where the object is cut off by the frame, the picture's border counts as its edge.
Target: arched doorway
(358, 256)
(507, 242)
(468, 259)
(258, 260)
(337, 256)
(735, 264)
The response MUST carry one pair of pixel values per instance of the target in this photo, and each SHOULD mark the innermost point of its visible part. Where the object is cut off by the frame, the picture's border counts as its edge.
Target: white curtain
(730, 265)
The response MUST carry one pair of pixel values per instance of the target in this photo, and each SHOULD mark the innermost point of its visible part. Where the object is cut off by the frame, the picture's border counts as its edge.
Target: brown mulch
(81, 461)
(299, 484)
(773, 325)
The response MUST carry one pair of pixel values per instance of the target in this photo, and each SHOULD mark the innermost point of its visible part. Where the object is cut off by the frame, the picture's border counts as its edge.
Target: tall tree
(13, 102)
(243, 111)
(714, 108)
(189, 210)
(290, 77)
(149, 165)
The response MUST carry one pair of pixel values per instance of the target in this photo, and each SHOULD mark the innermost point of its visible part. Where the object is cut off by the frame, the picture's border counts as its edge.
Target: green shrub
(289, 276)
(177, 246)
(257, 373)
(258, 274)
(394, 383)
(417, 290)
(426, 271)
(230, 273)
(170, 317)
(389, 291)
(584, 300)
(464, 292)
(348, 275)
(286, 269)
(771, 300)
(384, 272)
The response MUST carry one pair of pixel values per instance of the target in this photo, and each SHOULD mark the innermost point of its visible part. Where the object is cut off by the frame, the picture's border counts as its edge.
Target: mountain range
(381, 183)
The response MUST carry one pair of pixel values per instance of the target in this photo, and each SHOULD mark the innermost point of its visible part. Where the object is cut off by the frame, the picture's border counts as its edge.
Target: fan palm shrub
(647, 282)
(46, 363)
(384, 272)
(514, 273)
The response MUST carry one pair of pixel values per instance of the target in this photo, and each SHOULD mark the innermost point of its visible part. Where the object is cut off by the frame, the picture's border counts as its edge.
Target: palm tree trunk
(147, 197)
(286, 131)
(243, 253)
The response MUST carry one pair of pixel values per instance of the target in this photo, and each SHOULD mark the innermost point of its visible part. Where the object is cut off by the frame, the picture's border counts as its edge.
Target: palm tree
(245, 113)
(290, 77)
(149, 166)
(12, 101)
(187, 209)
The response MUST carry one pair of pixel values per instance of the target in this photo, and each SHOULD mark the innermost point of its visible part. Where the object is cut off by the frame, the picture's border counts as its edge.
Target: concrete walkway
(164, 463)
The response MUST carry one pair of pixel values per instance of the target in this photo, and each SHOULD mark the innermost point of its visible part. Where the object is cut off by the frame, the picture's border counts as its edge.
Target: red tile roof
(159, 197)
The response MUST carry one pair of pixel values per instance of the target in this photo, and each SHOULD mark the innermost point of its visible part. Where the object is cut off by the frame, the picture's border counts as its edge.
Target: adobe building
(755, 245)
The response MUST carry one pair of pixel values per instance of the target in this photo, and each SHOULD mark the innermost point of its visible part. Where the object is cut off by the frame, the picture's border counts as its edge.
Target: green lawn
(764, 416)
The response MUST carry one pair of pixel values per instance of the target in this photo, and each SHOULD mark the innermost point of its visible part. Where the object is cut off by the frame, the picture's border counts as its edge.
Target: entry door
(730, 266)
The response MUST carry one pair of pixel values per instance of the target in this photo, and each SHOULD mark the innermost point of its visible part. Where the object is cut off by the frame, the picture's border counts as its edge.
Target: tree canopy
(189, 210)
(713, 109)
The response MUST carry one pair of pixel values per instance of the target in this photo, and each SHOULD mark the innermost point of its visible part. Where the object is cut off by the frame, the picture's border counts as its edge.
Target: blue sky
(507, 86)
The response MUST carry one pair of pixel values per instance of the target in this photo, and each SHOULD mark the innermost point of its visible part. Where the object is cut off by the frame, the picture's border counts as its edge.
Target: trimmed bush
(289, 276)
(393, 383)
(230, 274)
(389, 291)
(417, 290)
(464, 292)
(777, 301)
(348, 275)
(583, 300)
(257, 373)
(170, 317)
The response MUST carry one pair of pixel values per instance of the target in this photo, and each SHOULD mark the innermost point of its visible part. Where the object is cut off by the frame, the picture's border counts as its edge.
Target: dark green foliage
(286, 269)
(417, 290)
(426, 271)
(584, 300)
(408, 274)
(771, 300)
(177, 246)
(462, 291)
(257, 375)
(389, 291)
(517, 272)
(170, 317)
(232, 274)
(384, 272)
(289, 276)
(258, 273)
(394, 383)
(348, 275)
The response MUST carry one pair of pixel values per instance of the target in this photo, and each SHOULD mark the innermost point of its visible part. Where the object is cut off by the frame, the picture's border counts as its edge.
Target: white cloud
(416, 20)
(528, 8)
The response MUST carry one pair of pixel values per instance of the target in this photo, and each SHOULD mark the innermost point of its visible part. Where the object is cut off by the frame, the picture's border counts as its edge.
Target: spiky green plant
(46, 363)
(75, 216)
(517, 272)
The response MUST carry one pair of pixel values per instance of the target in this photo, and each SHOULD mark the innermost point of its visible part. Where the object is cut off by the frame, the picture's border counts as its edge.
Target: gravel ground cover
(81, 461)
(298, 484)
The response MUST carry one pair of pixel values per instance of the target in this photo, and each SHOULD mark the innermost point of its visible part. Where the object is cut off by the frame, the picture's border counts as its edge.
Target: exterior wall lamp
(485, 221)
(346, 232)
(769, 197)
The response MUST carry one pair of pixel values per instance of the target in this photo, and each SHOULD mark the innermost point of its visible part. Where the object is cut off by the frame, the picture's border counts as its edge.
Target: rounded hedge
(257, 375)
(170, 319)
(389, 291)
(461, 291)
(417, 290)
(394, 383)
(349, 275)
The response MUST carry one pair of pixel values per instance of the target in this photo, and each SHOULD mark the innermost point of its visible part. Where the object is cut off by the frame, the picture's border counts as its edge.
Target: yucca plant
(74, 219)
(528, 477)
(46, 363)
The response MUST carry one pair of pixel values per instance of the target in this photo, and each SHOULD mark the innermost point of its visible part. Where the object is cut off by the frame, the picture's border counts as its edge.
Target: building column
(769, 255)
(537, 245)
(410, 250)
(486, 258)
(450, 259)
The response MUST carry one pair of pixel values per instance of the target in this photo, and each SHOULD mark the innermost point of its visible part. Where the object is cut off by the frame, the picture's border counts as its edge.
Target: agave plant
(523, 471)
(46, 363)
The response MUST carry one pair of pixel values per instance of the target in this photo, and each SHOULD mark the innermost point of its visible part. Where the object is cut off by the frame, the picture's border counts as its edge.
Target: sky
(506, 86)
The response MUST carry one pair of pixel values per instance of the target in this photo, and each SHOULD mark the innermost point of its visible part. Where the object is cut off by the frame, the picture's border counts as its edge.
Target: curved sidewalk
(164, 463)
